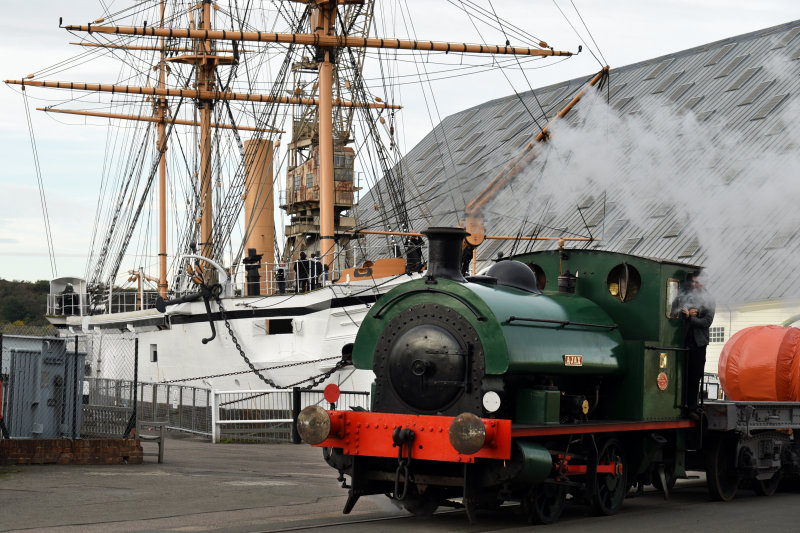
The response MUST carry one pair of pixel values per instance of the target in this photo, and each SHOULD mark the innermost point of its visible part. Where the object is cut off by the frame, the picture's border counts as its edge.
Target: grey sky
(71, 154)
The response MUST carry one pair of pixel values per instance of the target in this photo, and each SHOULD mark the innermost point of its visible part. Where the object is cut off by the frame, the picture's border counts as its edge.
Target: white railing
(123, 302)
(76, 304)
(68, 304)
(298, 276)
(268, 415)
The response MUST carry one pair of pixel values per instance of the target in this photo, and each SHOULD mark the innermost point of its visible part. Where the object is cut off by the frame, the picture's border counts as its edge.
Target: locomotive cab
(642, 297)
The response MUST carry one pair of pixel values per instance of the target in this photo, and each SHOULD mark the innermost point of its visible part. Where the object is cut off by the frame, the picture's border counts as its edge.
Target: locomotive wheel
(545, 503)
(420, 505)
(723, 480)
(767, 487)
(424, 504)
(610, 489)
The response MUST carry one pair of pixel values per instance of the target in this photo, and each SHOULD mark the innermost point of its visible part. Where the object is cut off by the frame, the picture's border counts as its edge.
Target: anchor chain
(240, 372)
(315, 380)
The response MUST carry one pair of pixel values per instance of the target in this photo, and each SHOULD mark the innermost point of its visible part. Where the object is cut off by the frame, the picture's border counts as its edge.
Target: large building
(692, 156)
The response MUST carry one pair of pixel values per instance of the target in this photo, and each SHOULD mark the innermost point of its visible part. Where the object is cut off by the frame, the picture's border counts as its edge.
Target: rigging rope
(576, 32)
(589, 32)
(449, 160)
(38, 169)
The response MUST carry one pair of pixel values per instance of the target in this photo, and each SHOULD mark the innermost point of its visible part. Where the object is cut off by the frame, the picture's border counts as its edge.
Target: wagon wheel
(545, 503)
(723, 480)
(767, 487)
(610, 489)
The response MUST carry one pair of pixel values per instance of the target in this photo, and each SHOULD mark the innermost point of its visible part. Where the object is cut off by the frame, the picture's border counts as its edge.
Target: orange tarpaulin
(762, 363)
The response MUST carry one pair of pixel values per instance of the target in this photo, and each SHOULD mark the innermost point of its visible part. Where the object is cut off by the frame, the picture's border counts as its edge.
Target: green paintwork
(537, 407)
(537, 462)
(391, 304)
(510, 347)
(629, 370)
(643, 322)
(539, 348)
(644, 316)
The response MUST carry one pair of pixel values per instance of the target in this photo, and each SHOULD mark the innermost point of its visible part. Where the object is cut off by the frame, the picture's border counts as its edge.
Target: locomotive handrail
(669, 348)
(468, 305)
(513, 318)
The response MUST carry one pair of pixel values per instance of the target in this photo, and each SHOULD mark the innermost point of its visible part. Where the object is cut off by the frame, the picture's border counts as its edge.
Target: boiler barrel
(554, 334)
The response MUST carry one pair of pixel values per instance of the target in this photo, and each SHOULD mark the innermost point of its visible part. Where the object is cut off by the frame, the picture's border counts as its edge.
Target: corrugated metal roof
(733, 85)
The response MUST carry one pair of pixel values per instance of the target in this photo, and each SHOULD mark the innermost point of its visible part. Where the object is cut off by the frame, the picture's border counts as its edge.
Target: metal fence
(267, 416)
(110, 385)
(86, 386)
(107, 407)
(261, 416)
(184, 408)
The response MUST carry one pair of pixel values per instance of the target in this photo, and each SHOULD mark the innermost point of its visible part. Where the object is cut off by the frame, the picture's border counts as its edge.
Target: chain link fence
(109, 386)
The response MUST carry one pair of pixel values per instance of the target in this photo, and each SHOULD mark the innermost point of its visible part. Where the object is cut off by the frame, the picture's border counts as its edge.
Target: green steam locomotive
(556, 378)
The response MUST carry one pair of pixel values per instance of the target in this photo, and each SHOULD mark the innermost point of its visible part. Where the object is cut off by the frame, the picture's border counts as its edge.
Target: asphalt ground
(248, 488)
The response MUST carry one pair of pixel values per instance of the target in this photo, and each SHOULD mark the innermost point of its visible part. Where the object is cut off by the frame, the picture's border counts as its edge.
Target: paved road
(244, 488)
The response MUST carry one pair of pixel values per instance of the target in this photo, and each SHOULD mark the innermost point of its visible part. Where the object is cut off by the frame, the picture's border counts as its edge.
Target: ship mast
(205, 81)
(325, 17)
(162, 168)
(303, 178)
(205, 60)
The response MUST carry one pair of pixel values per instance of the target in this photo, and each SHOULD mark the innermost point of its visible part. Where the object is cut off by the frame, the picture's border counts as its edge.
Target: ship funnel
(444, 252)
(258, 207)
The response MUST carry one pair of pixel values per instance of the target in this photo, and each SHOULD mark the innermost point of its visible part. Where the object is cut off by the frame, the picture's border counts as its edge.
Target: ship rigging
(194, 90)
(206, 51)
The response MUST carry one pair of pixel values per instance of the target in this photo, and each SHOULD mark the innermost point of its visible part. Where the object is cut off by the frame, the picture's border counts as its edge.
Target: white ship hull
(289, 338)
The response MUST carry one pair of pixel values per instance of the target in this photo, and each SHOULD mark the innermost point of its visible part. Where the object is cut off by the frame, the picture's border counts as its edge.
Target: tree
(23, 301)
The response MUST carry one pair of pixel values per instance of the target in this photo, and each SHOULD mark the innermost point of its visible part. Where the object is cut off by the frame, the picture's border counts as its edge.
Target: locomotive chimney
(444, 252)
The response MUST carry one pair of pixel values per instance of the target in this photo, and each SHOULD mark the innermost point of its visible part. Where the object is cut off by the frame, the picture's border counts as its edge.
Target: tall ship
(224, 121)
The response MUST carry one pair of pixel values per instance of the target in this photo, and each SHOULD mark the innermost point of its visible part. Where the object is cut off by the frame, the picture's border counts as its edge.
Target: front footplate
(370, 434)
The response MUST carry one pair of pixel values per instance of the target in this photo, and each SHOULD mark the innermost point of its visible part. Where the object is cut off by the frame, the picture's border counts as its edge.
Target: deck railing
(269, 284)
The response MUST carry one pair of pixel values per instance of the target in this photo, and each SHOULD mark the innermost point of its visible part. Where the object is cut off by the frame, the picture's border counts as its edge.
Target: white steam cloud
(736, 185)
